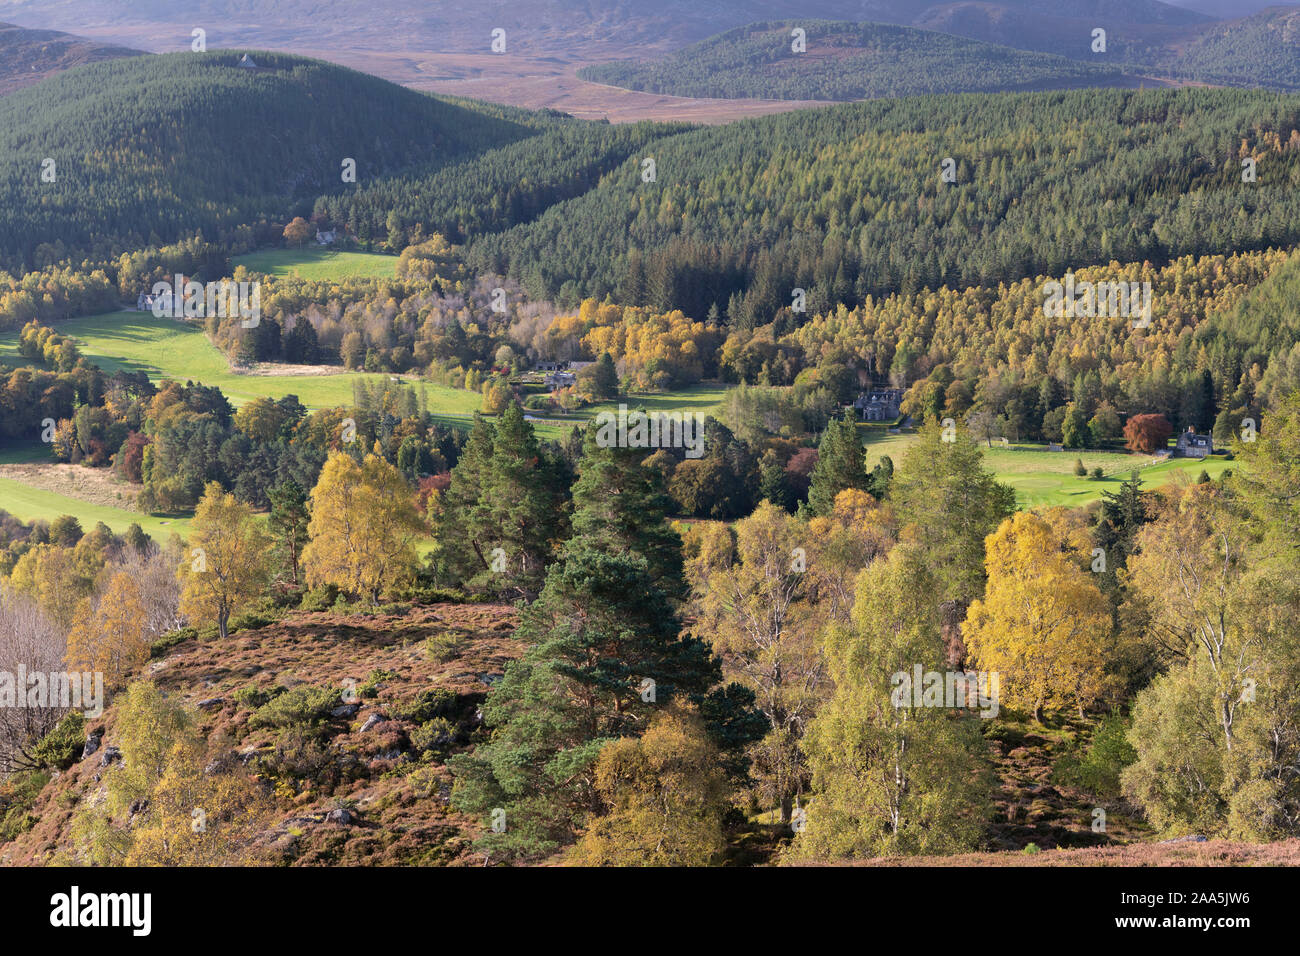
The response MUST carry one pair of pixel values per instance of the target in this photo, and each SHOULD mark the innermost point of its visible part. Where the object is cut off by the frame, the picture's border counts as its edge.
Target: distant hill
(29, 56)
(562, 27)
(152, 149)
(1227, 9)
(964, 48)
(1262, 49)
(849, 61)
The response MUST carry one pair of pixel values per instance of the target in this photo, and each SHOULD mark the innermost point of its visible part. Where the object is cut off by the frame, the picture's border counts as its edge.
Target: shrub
(61, 747)
(443, 647)
(169, 640)
(255, 697)
(370, 688)
(302, 761)
(260, 614)
(319, 599)
(437, 735)
(1098, 769)
(1098, 474)
(17, 797)
(302, 706)
(431, 704)
(1079, 468)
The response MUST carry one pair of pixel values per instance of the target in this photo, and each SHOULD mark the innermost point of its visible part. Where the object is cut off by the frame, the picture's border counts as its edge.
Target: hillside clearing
(317, 263)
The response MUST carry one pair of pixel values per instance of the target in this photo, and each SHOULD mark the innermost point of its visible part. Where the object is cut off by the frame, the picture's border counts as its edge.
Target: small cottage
(1192, 445)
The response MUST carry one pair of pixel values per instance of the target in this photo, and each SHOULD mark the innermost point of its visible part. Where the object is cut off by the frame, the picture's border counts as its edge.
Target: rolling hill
(124, 153)
(848, 201)
(849, 61)
(1262, 49)
(29, 56)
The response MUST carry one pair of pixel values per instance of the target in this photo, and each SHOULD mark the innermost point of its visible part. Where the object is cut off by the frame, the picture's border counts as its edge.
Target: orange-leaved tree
(1043, 622)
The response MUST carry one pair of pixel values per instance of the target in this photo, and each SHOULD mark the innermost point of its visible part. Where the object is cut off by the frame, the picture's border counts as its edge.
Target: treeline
(174, 439)
(844, 61)
(848, 201)
(1217, 347)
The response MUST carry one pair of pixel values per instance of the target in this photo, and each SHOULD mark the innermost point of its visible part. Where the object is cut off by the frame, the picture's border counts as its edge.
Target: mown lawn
(705, 398)
(166, 348)
(1045, 478)
(314, 262)
(28, 503)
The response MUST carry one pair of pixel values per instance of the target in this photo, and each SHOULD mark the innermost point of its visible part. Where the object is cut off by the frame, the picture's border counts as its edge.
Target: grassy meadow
(1045, 478)
(314, 262)
(165, 348)
(170, 349)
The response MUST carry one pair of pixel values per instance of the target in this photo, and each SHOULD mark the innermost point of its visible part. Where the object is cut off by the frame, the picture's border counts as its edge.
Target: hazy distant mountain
(28, 56)
(1226, 9)
(558, 27)
(849, 61)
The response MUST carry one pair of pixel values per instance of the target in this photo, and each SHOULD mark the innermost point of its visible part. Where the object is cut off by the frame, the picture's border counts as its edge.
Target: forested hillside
(850, 201)
(847, 61)
(117, 155)
(969, 48)
(1259, 50)
(499, 189)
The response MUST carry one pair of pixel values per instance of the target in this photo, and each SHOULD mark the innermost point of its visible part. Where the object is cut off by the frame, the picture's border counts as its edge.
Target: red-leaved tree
(1147, 433)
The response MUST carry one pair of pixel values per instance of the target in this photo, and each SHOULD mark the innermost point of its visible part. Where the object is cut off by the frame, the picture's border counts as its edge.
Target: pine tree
(464, 508)
(840, 464)
(604, 378)
(288, 520)
(605, 655)
(525, 505)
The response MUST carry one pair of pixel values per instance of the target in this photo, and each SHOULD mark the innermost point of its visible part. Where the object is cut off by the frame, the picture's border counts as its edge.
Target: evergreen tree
(840, 465)
(1123, 513)
(1074, 429)
(772, 484)
(605, 655)
(288, 520)
(524, 503)
(604, 378)
(464, 507)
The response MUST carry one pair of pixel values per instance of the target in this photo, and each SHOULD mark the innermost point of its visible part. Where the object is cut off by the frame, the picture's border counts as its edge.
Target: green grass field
(705, 398)
(28, 503)
(314, 262)
(166, 348)
(1044, 478)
